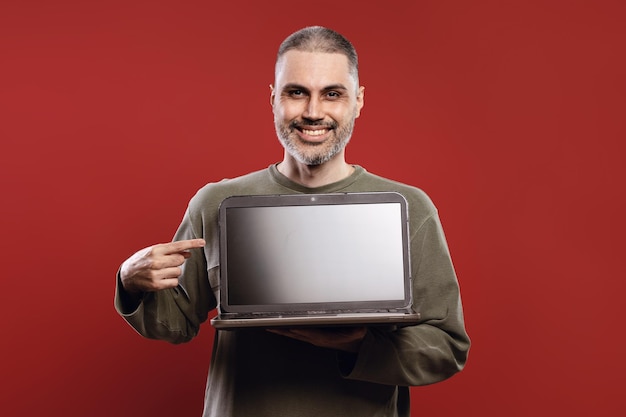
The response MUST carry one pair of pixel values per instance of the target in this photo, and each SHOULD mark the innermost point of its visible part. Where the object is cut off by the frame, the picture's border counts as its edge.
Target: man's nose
(313, 110)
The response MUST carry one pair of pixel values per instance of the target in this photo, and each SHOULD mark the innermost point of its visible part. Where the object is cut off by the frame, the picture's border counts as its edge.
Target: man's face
(315, 102)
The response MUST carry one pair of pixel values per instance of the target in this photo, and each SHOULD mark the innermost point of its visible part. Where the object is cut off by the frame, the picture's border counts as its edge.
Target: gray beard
(343, 136)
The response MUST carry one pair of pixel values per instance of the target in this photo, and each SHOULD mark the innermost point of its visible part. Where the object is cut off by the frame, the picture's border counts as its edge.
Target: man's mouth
(316, 132)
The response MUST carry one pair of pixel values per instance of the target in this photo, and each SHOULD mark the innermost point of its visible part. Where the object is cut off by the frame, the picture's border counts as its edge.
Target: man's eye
(296, 93)
(333, 94)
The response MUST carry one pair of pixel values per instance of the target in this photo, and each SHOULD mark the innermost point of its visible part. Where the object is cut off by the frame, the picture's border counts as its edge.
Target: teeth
(314, 132)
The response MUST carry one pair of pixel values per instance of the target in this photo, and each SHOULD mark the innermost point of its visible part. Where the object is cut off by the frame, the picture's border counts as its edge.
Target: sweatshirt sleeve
(437, 347)
(175, 314)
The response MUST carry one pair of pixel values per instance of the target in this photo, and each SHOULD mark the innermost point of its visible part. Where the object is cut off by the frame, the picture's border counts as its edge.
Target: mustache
(295, 124)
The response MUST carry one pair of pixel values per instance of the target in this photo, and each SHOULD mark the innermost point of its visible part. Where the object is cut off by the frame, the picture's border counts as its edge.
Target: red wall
(508, 113)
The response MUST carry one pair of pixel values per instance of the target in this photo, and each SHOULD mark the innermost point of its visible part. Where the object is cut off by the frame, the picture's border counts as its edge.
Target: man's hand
(347, 339)
(156, 267)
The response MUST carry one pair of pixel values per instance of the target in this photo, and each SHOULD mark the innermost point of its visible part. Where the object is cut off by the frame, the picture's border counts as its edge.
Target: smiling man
(166, 291)
(316, 101)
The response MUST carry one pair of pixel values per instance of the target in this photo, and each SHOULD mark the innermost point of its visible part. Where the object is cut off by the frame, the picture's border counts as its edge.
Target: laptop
(314, 260)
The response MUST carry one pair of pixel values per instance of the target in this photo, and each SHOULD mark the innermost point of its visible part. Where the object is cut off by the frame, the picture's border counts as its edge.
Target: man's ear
(360, 100)
(271, 95)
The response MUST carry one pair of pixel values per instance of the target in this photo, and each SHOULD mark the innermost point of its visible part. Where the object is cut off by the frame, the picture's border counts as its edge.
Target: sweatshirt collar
(328, 188)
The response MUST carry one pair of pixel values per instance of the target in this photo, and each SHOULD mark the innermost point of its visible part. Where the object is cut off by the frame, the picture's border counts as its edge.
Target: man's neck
(313, 176)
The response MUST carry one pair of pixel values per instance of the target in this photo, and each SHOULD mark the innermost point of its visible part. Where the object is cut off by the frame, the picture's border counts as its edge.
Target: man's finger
(166, 273)
(164, 284)
(178, 246)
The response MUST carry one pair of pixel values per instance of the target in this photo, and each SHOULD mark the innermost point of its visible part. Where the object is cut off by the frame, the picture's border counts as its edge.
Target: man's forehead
(319, 68)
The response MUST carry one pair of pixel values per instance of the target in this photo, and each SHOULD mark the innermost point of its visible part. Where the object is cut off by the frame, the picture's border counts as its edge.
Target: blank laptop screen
(315, 254)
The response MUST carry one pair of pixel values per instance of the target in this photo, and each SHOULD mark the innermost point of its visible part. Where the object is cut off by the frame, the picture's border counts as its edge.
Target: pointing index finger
(180, 246)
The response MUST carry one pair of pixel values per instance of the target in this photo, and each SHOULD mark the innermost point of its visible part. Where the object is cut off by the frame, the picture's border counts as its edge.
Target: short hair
(321, 39)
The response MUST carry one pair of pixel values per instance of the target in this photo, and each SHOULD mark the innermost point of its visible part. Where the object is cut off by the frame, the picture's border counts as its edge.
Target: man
(166, 291)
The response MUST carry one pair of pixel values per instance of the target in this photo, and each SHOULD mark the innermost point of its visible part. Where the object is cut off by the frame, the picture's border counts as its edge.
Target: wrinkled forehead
(314, 69)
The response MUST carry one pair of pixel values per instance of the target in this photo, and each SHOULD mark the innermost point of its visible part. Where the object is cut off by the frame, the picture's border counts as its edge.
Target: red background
(506, 112)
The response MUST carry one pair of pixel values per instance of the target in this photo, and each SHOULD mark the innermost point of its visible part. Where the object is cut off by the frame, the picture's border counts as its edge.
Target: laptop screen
(314, 252)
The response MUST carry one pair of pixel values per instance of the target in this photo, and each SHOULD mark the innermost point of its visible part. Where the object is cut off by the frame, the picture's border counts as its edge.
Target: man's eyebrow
(294, 86)
(335, 87)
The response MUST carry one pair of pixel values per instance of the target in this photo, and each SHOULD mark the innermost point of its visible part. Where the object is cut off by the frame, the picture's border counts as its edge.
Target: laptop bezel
(379, 197)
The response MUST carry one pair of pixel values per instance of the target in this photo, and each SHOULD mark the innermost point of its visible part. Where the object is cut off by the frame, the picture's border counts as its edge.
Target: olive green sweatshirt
(257, 373)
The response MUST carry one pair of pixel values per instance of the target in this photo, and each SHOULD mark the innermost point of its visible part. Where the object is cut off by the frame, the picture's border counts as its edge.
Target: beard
(309, 153)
